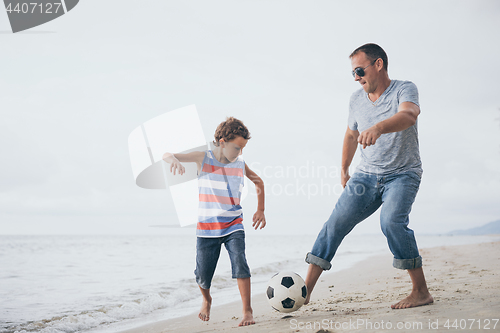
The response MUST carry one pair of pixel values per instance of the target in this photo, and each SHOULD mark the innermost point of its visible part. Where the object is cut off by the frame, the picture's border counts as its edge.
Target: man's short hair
(373, 52)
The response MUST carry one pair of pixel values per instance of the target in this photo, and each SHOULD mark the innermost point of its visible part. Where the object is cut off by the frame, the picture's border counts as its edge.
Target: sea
(55, 284)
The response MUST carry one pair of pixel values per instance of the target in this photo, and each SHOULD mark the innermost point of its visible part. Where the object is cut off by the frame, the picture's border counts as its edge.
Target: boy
(220, 181)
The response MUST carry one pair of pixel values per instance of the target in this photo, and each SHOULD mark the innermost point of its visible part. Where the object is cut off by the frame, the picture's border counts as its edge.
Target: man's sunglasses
(361, 71)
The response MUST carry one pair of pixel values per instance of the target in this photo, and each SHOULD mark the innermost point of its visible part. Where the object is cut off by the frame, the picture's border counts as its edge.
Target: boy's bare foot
(247, 319)
(205, 310)
(413, 300)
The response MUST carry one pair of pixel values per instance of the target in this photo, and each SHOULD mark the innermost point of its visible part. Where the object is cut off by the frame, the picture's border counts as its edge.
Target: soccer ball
(286, 291)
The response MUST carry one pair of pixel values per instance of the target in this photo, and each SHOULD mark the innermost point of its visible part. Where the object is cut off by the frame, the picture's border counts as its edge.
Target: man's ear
(379, 63)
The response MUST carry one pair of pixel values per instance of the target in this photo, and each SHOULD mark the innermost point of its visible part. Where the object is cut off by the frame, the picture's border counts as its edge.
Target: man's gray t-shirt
(393, 153)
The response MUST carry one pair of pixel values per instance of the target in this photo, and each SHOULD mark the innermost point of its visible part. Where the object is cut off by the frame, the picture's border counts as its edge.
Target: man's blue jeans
(362, 196)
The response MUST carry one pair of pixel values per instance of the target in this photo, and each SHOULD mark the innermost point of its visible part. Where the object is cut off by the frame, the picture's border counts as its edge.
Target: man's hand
(405, 117)
(369, 137)
(259, 220)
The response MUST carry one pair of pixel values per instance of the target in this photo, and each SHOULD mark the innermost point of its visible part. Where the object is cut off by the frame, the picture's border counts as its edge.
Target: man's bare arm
(348, 150)
(406, 117)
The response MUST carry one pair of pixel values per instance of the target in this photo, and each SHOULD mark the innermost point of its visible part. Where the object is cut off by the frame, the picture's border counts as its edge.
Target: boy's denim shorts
(207, 255)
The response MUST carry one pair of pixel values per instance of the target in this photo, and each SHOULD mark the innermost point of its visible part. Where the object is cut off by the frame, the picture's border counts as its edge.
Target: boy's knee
(240, 268)
(203, 282)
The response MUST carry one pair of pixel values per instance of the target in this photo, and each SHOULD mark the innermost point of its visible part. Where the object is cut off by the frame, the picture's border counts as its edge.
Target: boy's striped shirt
(220, 186)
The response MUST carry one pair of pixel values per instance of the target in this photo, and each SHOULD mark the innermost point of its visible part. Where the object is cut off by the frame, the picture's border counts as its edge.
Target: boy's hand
(259, 220)
(177, 166)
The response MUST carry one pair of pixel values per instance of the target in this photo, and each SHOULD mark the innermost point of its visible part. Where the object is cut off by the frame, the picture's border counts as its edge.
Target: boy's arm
(259, 218)
(175, 159)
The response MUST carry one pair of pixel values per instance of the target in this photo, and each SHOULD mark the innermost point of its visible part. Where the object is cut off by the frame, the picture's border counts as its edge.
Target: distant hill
(487, 229)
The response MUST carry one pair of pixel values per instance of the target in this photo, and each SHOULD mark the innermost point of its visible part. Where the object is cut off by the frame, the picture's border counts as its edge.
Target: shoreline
(462, 279)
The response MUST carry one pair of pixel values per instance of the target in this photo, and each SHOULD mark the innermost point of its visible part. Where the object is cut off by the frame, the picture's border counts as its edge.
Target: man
(383, 120)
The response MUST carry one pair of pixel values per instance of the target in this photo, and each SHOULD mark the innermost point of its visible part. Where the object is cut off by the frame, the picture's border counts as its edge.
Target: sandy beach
(464, 281)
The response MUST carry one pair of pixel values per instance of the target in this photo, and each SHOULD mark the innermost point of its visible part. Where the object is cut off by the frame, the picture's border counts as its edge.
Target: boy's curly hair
(230, 129)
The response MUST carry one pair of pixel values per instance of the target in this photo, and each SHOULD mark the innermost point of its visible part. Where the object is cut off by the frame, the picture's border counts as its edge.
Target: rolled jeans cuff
(407, 263)
(312, 259)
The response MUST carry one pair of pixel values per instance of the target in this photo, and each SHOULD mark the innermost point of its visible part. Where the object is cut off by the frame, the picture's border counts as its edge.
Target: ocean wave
(108, 314)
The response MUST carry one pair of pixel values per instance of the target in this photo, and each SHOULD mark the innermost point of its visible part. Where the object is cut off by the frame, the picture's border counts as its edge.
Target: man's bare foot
(308, 297)
(205, 310)
(247, 319)
(413, 300)
(313, 274)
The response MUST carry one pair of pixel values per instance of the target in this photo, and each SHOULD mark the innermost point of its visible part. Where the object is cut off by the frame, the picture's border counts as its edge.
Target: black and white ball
(286, 291)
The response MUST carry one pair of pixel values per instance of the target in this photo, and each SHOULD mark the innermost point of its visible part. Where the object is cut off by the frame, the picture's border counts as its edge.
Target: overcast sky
(73, 89)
